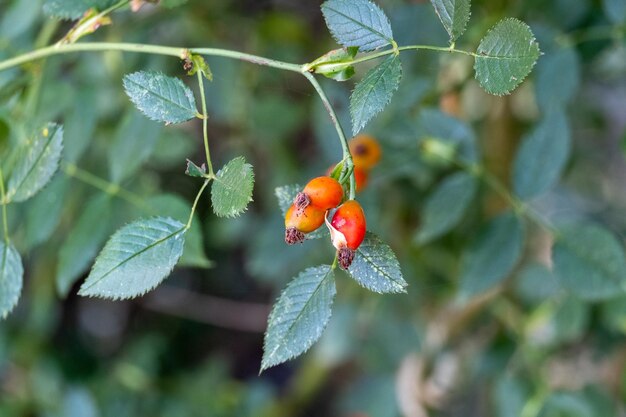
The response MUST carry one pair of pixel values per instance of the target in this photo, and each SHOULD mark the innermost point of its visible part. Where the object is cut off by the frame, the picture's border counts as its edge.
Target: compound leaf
(299, 316)
(232, 188)
(505, 56)
(374, 91)
(136, 259)
(161, 98)
(359, 23)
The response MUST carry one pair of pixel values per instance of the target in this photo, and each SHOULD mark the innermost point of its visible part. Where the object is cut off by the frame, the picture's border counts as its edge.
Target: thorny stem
(342, 137)
(5, 223)
(195, 203)
(205, 121)
(110, 188)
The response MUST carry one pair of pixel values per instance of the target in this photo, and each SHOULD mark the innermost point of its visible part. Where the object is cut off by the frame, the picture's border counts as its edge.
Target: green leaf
(613, 314)
(510, 395)
(232, 188)
(299, 316)
(136, 259)
(445, 207)
(376, 267)
(454, 14)
(589, 261)
(194, 170)
(557, 78)
(171, 205)
(43, 212)
(566, 404)
(83, 242)
(36, 164)
(374, 91)
(11, 276)
(79, 125)
(73, 9)
(359, 23)
(615, 11)
(505, 56)
(134, 142)
(161, 98)
(542, 156)
(536, 283)
(492, 254)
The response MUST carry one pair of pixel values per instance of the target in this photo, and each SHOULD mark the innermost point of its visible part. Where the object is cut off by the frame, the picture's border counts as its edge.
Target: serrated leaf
(615, 11)
(136, 259)
(11, 277)
(589, 262)
(171, 205)
(374, 92)
(454, 15)
(73, 9)
(194, 170)
(83, 242)
(299, 316)
(359, 23)
(444, 208)
(542, 156)
(159, 97)
(232, 188)
(505, 56)
(132, 145)
(36, 164)
(492, 255)
(376, 267)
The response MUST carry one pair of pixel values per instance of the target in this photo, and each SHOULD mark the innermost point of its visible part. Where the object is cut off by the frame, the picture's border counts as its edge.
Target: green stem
(5, 223)
(393, 51)
(195, 203)
(205, 121)
(347, 156)
(110, 188)
(143, 48)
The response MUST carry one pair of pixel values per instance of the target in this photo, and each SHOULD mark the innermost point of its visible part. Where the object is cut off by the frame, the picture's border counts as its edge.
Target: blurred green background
(193, 346)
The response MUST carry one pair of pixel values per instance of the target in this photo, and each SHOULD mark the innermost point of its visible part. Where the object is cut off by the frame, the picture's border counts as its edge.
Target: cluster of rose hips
(313, 204)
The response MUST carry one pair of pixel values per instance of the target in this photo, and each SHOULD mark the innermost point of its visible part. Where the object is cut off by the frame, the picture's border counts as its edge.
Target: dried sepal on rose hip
(322, 192)
(298, 222)
(347, 231)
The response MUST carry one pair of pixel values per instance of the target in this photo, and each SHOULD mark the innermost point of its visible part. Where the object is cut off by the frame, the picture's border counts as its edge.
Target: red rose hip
(347, 231)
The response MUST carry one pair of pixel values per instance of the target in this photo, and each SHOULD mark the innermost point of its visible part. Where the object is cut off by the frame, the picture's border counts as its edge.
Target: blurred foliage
(533, 345)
